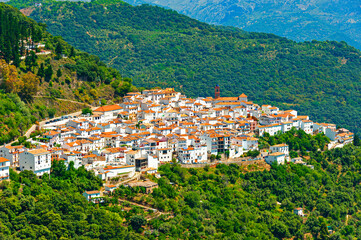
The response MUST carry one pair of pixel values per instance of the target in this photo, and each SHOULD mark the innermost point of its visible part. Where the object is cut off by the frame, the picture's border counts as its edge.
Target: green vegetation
(14, 30)
(222, 202)
(297, 140)
(158, 47)
(297, 20)
(252, 153)
(231, 202)
(85, 111)
(28, 78)
(54, 208)
(15, 117)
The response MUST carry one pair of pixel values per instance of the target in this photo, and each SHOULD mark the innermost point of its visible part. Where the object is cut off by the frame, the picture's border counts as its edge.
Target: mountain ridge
(297, 20)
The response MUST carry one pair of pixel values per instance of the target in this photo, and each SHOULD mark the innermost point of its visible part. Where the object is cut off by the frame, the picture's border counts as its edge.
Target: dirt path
(139, 205)
(66, 100)
(30, 130)
(135, 177)
(156, 211)
(240, 162)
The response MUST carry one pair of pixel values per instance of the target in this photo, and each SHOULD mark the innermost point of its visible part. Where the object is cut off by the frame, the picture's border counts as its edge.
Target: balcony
(4, 177)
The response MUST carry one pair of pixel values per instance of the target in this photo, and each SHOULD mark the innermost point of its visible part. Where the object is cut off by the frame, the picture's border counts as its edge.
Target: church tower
(217, 92)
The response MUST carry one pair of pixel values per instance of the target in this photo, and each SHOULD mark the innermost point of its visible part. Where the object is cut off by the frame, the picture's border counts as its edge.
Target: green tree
(41, 71)
(30, 60)
(58, 50)
(30, 86)
(86, 111)
(192, 199)
(51, 112)
(72, 52)
(137, 221)
(59, 73)
(356, 140)
(48, 73)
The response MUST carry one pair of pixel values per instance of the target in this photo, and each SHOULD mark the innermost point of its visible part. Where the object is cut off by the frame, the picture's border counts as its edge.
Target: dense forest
(15, 30)
(214, 202)
(158, 47)
(246, 202)
(36, 82)
(54, 208)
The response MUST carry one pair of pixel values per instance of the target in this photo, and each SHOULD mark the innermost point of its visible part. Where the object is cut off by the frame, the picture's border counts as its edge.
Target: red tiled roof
(108, 108)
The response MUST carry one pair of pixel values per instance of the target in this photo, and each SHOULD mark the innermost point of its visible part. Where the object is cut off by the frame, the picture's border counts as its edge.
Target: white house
(307, 126)
(283, 148)
(131, 155)
(287, 126)
(111, 172)
(200, 154)
(114, 154)
(72, 157)
(92, 196)
(153, 162)
(109, 112)
(4, 168)
(193, 154)
(298, 211)
(276, 157)
(37, 160)
(271, 129)
(248, 143)
(11, 153)
(164, 155)
(110, 188)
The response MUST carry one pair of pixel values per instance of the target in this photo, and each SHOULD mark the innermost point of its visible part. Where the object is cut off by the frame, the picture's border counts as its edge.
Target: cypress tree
(356, 140)
(41, 71)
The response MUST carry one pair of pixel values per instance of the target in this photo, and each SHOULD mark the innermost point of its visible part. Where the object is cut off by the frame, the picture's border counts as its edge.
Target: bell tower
(217, 92)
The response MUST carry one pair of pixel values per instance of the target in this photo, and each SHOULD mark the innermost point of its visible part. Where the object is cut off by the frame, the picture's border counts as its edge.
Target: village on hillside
(161, 126)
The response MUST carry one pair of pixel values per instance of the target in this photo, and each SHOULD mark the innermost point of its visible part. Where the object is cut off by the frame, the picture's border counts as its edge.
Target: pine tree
(72, 52)
(16, 57)
(48, 73)
(59, 50)
(41, 71)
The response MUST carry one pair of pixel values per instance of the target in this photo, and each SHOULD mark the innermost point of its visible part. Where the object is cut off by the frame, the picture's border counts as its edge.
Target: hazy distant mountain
(296, 19)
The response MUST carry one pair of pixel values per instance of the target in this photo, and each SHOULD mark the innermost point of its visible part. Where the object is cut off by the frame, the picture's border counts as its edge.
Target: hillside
(158, 47)
(215, 202)
(40, 73)
(299, 20)
(54, 208)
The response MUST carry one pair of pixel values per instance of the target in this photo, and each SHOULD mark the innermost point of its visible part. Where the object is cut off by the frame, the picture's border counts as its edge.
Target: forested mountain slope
(158, 47)
(37, 69)
(299, 20)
